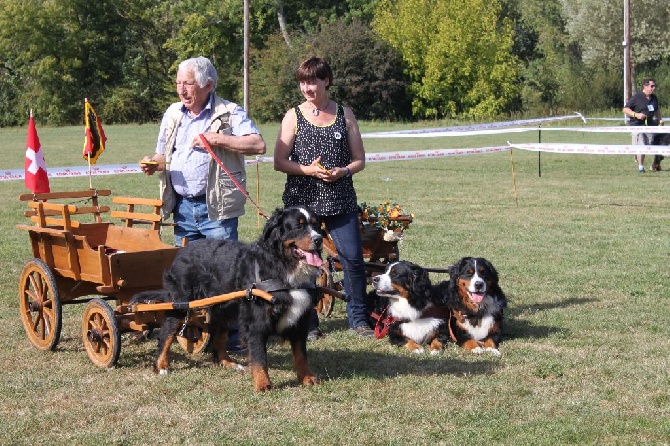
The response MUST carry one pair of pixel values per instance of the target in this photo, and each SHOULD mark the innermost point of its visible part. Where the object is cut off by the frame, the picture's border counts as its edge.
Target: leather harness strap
(383, 323)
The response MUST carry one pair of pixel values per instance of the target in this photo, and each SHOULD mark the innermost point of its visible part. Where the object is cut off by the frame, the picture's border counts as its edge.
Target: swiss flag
(36, 169)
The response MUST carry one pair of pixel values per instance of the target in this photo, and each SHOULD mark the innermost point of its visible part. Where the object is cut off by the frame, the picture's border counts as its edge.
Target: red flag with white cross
(36, 169)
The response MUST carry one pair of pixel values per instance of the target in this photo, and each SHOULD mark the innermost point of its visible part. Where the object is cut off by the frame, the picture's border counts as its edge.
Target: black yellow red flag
(94, 138)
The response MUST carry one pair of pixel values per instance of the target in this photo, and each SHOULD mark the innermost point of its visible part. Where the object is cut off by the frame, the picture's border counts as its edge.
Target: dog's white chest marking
(302, 301)
(421, 330)
(401, 309)
(480, 331)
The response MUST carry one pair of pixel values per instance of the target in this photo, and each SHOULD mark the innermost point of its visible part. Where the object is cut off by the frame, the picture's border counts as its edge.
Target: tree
(596, 26)
(62, 52)
(459, 59)
(368, 74)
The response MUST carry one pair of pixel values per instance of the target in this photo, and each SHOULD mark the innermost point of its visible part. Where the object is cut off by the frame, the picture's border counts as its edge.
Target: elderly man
(205, 202)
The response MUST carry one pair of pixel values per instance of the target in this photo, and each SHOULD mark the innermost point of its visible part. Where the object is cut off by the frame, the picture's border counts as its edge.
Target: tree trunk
(282, 22)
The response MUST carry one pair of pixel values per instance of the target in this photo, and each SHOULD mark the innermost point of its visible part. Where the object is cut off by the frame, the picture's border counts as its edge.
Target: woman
(320, 148)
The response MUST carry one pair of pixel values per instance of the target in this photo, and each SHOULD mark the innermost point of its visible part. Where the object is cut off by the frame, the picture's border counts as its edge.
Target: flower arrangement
(385, 216)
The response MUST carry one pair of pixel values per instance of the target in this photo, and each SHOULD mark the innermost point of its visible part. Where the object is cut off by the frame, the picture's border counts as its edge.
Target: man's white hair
(203, 70)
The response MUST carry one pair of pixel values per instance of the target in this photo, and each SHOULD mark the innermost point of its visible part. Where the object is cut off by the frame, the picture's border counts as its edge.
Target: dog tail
(146, 297)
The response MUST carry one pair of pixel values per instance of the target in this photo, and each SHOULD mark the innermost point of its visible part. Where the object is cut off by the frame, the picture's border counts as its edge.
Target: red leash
(237, 184)
(383, 323)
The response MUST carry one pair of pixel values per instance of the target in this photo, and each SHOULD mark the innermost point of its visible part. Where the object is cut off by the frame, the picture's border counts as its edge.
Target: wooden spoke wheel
(196, 336)
(326, 279)
(100, 333)
(40, 305)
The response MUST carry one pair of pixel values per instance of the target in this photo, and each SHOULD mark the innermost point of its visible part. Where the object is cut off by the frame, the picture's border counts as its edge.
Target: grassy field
(585, 357)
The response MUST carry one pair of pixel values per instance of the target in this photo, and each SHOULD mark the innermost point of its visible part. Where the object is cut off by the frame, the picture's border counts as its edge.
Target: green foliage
(459, 59)
(273, 88)
(368, 74)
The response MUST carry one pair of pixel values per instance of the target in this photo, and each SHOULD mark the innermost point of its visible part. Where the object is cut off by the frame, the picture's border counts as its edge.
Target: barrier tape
(469, 130)
(119, 169)
(474, 127)
(594, 149)
(448, 133)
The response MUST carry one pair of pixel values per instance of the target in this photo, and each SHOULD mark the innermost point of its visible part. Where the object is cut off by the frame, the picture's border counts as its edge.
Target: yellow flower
(385, 216)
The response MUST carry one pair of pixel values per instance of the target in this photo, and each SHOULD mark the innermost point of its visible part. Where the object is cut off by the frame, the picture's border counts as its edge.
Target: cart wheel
(195, 337)
(326, 303)
(100, 333)
(41, 310)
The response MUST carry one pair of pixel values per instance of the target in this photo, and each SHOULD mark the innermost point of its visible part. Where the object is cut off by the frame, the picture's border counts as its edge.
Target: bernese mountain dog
(413, 315)
(476, 302)
(284, 261)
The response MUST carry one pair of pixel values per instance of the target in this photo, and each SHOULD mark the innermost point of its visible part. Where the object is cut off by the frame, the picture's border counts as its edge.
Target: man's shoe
(314, 334)
(640, 169)
(364, 331)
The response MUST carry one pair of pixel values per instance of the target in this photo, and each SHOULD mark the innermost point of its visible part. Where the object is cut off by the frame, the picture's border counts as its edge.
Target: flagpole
(90, 179)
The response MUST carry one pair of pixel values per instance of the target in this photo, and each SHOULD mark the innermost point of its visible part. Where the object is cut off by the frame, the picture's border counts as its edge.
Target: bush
(368, 74)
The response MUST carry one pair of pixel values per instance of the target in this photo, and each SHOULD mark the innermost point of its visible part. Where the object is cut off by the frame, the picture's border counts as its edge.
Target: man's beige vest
(224, 199)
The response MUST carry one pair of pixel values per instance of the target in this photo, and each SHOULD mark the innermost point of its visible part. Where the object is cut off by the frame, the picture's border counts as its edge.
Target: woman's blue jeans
(345, 232)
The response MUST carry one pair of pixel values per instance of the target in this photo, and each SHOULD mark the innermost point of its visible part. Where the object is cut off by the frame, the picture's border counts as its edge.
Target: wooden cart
(73, 260)
(377, 253)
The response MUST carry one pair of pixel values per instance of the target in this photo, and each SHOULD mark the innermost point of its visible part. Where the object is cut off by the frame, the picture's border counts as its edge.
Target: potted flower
(388, 217)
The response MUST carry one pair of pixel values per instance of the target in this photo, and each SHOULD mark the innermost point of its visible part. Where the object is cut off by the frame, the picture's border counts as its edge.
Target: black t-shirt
(640, 104)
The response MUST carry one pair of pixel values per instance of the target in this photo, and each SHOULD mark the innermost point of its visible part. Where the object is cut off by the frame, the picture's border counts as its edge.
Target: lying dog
(284, 261)
(476, 302)
(414, 316)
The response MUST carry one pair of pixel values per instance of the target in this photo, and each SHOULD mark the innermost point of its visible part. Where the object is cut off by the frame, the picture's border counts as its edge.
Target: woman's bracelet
(348, 171)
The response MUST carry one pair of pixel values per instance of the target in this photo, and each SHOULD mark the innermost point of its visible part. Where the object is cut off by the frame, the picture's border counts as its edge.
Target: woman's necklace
(315, 110)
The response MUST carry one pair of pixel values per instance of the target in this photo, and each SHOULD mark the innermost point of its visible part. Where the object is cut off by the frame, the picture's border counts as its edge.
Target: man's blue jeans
(346, 234)
(192, 223)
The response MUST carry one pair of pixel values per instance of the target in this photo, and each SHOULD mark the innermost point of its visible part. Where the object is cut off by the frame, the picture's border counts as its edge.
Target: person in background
(204, 201)
(643, 110)
(320, 148)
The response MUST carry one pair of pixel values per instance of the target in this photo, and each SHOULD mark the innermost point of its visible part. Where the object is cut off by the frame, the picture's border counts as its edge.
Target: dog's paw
(418, 351)
(309, 380)
(435, 352)
(477, 350)
(162, 371)
(493, 351)
(232, 365)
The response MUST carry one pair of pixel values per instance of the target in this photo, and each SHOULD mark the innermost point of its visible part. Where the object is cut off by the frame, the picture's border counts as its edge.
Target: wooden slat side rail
(137, 200)
(91, 193)
(138, 217)
(130, 216)
(79, 210)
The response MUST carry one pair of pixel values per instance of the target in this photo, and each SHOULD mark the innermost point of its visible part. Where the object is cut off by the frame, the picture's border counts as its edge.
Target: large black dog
(414, 311)
(284, 261)
(476, 302)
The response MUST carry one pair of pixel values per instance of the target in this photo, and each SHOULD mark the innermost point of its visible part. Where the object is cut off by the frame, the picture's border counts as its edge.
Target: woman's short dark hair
(314, 68)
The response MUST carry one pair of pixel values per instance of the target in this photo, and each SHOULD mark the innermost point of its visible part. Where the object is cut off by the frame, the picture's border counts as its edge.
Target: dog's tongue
(477, 297)
(311, 258)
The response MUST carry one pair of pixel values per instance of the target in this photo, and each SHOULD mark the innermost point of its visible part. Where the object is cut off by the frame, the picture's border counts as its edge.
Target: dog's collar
(383, 323)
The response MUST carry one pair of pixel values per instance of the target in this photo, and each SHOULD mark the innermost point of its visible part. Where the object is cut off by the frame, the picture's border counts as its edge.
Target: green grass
(583, 259)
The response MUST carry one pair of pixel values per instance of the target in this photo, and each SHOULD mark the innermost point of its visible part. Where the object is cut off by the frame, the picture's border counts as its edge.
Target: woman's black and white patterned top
(331, 143)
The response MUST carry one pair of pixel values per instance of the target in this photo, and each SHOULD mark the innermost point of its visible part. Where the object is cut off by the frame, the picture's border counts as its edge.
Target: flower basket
(382, 227)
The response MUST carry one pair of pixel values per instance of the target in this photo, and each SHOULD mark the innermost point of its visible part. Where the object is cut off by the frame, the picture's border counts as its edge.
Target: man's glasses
(651, 85)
